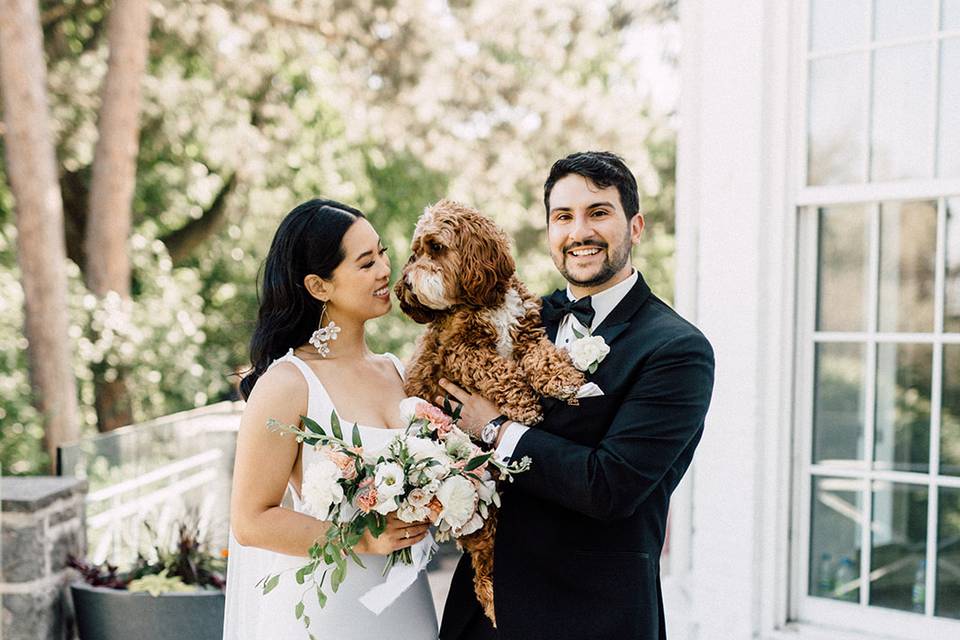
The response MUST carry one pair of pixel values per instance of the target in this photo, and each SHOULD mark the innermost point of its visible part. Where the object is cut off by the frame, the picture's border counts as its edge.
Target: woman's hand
(397, 535)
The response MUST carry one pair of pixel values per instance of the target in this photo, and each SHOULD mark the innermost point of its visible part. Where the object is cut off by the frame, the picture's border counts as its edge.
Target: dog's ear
(486, 265)
(411, 306)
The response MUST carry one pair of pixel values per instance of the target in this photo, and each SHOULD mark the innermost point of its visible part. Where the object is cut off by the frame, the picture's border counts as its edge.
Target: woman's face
(360, 286)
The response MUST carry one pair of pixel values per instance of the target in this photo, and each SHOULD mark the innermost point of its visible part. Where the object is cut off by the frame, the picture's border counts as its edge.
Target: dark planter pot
(113, 614)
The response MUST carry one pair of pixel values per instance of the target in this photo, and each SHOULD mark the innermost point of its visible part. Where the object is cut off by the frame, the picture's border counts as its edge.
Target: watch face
(489, 433)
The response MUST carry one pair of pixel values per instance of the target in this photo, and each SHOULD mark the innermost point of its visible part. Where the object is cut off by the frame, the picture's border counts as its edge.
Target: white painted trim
(878, 192)
(906, 338)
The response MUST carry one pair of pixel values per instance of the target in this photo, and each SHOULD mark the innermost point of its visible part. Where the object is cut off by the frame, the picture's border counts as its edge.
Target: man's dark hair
(603, 169)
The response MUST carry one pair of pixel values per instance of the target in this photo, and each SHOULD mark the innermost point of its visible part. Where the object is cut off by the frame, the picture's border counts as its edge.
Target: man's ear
(318, 287)
(636, 228)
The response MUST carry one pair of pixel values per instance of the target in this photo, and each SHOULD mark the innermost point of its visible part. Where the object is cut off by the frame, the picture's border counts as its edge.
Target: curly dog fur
(483, 333)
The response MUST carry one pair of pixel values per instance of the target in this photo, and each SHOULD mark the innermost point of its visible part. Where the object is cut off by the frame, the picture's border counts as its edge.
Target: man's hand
(475, 412)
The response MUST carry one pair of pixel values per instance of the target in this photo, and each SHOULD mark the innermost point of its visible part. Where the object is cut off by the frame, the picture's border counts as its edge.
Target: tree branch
(181, 242)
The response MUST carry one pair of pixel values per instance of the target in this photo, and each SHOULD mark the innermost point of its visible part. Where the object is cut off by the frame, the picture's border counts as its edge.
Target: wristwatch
(490, 430)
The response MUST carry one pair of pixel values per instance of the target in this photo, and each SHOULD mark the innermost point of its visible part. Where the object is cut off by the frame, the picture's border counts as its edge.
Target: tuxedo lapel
(619, 319)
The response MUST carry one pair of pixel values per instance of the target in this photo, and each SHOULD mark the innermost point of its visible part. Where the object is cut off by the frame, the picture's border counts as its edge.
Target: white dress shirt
(603, 303)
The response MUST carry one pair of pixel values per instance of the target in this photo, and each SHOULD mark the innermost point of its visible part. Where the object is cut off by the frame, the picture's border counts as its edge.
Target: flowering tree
(251, 107)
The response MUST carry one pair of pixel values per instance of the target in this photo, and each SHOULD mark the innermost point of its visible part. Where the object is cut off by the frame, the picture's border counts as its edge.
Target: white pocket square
(589, 390)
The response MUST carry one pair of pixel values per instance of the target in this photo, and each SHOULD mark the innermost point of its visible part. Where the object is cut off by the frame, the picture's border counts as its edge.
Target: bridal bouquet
(430, 470)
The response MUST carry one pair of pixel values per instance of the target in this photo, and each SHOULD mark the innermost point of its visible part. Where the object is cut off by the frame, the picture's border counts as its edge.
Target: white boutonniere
(587, 351)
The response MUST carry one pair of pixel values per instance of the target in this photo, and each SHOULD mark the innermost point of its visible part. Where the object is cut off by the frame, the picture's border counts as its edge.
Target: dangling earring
(324, 334)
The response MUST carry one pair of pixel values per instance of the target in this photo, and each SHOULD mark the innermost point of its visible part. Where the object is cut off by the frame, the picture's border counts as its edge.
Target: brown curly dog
(483, 333)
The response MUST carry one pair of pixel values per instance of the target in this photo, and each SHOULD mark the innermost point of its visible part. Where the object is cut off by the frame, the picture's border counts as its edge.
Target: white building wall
(735, 281)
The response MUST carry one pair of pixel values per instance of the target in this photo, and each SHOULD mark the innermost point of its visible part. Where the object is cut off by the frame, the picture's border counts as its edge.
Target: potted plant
(177, 595)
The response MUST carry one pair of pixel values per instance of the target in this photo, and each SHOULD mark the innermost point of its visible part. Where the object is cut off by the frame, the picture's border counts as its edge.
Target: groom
(579, 536)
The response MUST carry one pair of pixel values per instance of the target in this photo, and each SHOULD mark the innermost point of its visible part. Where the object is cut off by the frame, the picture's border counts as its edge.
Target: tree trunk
(114, 176)
(41, 252)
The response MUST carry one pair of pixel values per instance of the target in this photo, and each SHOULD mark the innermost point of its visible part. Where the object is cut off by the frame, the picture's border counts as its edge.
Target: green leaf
(593, 368)
(357, 442)
(577, 333)
(298, 610)
(304, 570)
(355, 557)
(476, 461)
(312, 425)
(321, 598)
(271, 584)
(335, 426)
(337, 577)
(447, 407)
(306, 621)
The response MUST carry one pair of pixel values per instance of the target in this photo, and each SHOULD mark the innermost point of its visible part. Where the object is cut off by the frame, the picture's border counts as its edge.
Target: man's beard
(613, 262)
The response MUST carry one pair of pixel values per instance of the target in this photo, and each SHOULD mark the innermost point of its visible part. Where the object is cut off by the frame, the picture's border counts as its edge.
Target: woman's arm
(263, 464)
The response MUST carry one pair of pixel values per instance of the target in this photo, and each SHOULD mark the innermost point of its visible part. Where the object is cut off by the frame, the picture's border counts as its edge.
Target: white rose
(588, 351)
(458, 445)
(424, 449)
(487, 491)
(419, 498)
(386, 505)
(411, 513)
(459, 500)
(408, 408)
(474, 524)
(388, 479)
(320, 488)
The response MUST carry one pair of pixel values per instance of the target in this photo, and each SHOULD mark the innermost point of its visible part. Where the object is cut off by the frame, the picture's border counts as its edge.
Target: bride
(326, 269)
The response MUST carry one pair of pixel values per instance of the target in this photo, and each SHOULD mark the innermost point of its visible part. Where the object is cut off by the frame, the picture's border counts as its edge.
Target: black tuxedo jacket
(578, 543)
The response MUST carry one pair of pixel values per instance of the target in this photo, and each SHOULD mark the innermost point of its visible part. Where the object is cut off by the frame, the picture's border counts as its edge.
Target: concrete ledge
(32, 493)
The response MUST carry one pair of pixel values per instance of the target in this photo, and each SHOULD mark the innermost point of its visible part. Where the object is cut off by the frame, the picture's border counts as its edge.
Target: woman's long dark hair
(308, 241)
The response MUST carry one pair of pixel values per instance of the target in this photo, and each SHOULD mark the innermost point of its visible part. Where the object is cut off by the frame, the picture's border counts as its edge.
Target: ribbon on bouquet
(400, 578)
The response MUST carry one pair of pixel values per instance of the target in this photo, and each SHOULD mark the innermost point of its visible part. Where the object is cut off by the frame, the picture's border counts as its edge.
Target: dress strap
(399, 365)
(317, 395)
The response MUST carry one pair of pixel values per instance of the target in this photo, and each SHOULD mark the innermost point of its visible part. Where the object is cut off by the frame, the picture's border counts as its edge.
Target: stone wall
(42, 520)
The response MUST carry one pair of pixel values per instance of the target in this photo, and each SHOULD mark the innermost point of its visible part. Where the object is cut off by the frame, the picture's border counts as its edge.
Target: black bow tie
(558, 305)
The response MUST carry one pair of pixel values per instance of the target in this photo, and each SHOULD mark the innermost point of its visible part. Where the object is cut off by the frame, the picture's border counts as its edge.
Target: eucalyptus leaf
(271, 584)
(476, 461)
(335, 426)
(357, 442)
(298, 610)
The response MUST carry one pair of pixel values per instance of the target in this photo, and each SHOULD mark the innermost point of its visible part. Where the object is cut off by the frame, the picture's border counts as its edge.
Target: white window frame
(811, 615)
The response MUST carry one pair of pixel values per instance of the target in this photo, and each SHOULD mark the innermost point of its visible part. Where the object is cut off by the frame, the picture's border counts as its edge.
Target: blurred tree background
(251, 107)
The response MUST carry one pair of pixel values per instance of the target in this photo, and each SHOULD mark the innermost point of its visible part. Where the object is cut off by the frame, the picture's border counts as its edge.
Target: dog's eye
(435, 247)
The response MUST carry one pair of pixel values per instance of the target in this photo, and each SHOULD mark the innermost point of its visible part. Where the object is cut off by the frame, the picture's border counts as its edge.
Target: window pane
(948, 554)
(901, 145)
(837, 120)
(950, 415)
(843, 269)
(839, 404)
(902, 439)
(899, 19)
(949, 131)
(899, 535)
(950, 15)
(835, 25)
(836, 512)
(908, 248)
(951, 313)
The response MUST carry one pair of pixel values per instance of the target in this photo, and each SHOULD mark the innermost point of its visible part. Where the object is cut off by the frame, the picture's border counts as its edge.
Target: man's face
(589, 234)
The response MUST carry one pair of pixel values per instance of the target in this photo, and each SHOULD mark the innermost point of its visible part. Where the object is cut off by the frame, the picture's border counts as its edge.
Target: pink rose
(434, 415)
(345, 463)
(367, 496)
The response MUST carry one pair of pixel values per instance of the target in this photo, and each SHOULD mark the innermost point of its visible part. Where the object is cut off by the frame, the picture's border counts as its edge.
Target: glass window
(898, 19)
(948, 133)
(901, 144)
(908, 249)
(902, 439)
(950, 418)
(898, 546)
(950, 15)
(839, 404)
(843, 258)
(836, 120)
(836, 513)
(951, 311)
(837, 25)
(948, 554)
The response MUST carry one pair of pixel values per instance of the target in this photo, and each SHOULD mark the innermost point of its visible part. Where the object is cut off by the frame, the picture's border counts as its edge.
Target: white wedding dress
(250, 615)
